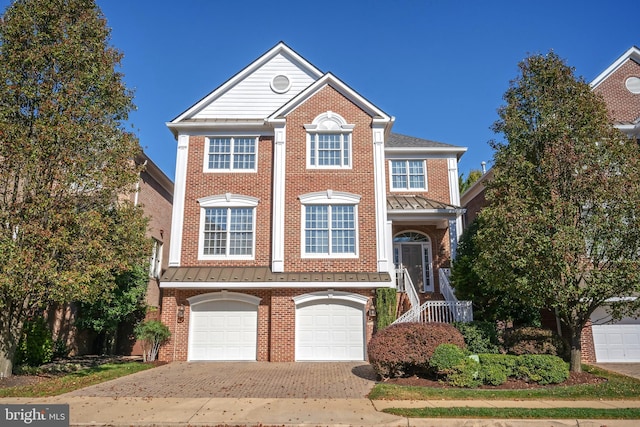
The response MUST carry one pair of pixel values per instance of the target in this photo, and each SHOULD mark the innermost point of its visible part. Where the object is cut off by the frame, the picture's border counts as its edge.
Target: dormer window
(329, 142)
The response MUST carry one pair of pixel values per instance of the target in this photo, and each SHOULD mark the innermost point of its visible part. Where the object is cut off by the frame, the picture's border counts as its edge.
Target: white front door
(330, 330)
(223, 330)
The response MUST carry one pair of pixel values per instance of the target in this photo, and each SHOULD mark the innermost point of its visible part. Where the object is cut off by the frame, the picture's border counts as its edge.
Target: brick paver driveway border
(321, 380)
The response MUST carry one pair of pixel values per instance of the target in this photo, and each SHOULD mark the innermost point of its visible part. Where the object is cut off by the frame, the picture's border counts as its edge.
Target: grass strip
(616, 387)
(76, 380)
(519, 413)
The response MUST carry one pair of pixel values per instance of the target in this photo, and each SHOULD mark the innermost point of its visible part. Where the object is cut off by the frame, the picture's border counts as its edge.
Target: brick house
(619, 85)
(293, 203)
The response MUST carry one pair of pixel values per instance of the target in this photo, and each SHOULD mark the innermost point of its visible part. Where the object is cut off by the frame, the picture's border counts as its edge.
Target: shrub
(505, 362)
(386, 301)
(493, 374)
(153, 334)
(405, 348)
(445, 358)
(465, 374)
(35, 347)
(542, 368)
(531, 340)
(480, 337)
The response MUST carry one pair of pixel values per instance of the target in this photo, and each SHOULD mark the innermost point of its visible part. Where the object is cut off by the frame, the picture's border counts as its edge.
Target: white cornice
(633, 53)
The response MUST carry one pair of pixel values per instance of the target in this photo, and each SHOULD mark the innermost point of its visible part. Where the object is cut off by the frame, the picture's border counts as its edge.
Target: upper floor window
(330, 226)
(227, 227)
(231, 153)
(329, 142)
(408, 175)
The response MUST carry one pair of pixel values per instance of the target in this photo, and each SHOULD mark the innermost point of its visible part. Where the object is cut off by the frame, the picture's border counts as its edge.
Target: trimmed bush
(404, 349)
(480, 337)
(386, 301)
(35, 347)
(446, 357)
(542, 368)
(506, 362)
(465, 374)
(532, 340)
(493, 374)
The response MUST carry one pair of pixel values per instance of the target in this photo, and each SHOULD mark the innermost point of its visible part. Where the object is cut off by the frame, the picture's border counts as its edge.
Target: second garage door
(615, 341)
(223, 330)
(330, 330)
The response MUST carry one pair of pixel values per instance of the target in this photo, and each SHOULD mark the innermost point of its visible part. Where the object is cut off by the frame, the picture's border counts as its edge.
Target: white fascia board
(379, 115)
(195, 128)
(405, 151)
(216, 93)
(278, 285)
(632, 53)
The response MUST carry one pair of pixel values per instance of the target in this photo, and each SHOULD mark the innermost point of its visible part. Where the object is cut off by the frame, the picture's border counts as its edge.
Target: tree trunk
(10, 331)
(575, 363)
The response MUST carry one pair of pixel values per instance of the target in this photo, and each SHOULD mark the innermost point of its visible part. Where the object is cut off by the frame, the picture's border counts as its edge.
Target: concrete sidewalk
(194, 412)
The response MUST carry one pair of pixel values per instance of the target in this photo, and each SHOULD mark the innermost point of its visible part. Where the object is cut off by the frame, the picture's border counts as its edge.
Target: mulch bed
(575, 378)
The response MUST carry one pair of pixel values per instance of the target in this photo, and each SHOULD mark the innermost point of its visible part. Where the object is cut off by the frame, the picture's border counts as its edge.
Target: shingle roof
(398, 140)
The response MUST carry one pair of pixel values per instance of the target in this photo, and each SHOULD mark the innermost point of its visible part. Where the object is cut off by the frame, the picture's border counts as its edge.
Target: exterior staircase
(425, 310)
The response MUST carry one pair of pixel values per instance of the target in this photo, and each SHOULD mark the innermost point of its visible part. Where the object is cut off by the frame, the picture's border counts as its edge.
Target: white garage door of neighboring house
(329, 329)
(223, 329)
(616, 342)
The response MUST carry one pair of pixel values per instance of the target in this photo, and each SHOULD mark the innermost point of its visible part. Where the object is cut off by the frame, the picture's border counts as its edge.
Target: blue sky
(439, 67)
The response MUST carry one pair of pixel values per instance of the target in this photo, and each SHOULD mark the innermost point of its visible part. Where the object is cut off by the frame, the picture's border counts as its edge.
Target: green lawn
(519, 413)
(616, 387)
(73, 381)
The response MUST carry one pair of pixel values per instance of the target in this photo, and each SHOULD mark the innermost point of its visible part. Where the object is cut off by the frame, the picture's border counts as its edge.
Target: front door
(416, 258)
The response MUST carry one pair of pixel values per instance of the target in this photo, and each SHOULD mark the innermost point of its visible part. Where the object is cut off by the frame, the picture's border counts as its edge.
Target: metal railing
(446, 290)
(405, 284)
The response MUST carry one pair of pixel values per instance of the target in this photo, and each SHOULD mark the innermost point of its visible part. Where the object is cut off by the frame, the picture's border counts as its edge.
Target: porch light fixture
(181, 313)
(372, 311)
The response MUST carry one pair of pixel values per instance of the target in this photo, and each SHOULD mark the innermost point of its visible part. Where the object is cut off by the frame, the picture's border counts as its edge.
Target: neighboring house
(619, 85)
(154, 192)
(293, 203)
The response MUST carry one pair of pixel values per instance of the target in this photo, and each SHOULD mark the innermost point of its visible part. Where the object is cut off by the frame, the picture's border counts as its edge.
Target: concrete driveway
(628, 369)
(322, 380)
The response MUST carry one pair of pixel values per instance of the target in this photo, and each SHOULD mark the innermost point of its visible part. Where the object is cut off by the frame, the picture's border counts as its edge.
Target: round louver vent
(633, 84)
(280, 84)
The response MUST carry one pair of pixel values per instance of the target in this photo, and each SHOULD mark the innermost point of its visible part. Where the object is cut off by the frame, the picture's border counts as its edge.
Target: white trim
(407, 188)
(383, 236)
(633, 53)
(330, 255)
(227, 201)
(279, 186)
(426, 263)
(331, 295)
(232, 154)
(177, 218)
(278, 285)
(223, 296)
(454, 196)
(276, 90)
(329, 197)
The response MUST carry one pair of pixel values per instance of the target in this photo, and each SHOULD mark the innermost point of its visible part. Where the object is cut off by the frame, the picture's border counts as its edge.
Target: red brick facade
(623, 105)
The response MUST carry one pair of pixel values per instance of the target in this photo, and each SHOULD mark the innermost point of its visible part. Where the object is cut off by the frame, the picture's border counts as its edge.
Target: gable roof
(280, 49)
(331, 80)
(633, 54)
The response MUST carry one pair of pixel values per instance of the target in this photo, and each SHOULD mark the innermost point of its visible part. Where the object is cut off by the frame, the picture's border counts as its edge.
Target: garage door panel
(617, 343)
(330, 331)
(223, 330)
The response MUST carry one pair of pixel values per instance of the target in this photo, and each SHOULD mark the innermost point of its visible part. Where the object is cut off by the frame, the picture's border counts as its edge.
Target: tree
(562, 229)
(464, 184)
(65, 163)
(489, 302)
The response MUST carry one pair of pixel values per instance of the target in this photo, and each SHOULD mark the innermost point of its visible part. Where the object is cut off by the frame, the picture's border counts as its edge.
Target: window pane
(244, 153)
(219, 153)
(398, 174)
(234, 225)
(215, 236)
(317, 229)
(346, 149)
(343, 236)
(317, 241)
(416, 174)
(329, 150)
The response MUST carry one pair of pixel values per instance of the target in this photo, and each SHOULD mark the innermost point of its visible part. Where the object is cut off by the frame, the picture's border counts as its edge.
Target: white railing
(405, 284)
(439, 311)
(445, 286)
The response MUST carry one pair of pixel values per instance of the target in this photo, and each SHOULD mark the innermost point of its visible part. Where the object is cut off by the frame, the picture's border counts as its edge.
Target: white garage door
(617, 343)
(330, 331)
(223, 330)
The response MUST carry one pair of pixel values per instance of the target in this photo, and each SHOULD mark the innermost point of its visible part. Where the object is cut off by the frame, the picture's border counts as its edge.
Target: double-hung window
(225, 154)
(227, 227)
(329, 144)
(408, 175)
(330, 226)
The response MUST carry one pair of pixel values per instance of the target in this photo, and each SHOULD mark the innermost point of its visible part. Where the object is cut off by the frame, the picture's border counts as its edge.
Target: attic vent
(633, 84)
(280, 84)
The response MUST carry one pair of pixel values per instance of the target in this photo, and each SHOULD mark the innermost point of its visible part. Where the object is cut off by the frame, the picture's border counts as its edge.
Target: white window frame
(207, 153)
(155, 261)
(330, 198)
(329, 123)
(228, 201)
(408, 187)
